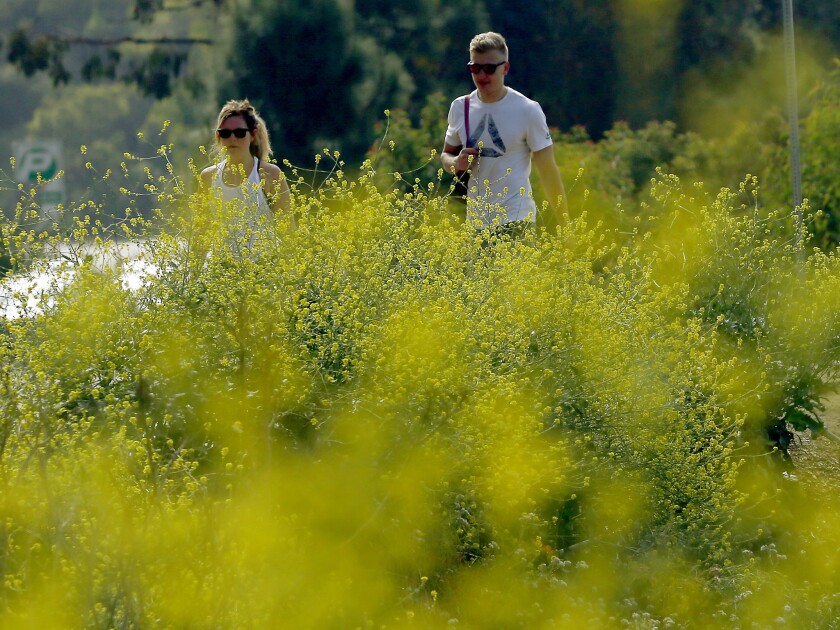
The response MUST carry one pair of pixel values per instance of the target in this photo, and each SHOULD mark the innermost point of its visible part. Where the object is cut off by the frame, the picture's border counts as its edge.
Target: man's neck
(494, 96)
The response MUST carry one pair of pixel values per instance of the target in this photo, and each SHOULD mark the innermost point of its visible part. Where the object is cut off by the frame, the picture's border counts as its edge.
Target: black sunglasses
(241, 132)
(489, 68)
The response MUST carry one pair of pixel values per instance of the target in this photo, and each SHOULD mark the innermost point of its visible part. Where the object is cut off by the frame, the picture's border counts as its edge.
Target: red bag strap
(467, 118)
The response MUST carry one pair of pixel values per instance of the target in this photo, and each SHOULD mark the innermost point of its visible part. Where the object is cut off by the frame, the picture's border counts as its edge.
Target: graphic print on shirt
(490, 124)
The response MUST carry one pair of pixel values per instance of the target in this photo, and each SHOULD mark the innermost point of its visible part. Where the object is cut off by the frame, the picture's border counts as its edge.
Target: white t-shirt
(508, 132)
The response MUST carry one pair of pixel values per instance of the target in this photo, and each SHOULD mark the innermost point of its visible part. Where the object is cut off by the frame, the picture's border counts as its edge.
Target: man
(507, 131)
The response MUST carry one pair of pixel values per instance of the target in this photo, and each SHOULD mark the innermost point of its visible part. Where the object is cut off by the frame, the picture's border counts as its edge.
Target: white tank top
(250, 191)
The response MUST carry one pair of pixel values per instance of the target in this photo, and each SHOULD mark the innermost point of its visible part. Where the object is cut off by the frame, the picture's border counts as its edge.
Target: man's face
(492, 82)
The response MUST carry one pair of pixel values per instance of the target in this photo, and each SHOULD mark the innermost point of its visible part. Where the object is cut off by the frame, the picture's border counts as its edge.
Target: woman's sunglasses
(489, 68)
(241, 132)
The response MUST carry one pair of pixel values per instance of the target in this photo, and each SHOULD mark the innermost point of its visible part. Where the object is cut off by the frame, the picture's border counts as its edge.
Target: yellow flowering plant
(386, 417)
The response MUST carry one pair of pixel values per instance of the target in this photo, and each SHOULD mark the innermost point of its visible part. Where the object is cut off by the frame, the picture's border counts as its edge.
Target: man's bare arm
(552, 182)
(457, 159)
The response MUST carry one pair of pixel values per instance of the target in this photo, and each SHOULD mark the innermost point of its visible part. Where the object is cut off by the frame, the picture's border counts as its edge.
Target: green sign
(37, 164)
(38, 159)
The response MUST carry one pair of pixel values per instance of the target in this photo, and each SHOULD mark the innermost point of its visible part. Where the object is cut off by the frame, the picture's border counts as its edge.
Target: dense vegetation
(387, 418)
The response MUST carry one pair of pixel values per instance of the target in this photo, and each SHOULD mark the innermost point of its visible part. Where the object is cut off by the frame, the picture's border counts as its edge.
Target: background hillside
(322, 72)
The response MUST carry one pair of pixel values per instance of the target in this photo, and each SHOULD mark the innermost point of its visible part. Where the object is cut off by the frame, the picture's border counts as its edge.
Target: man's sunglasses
(241, 132)
(489, 68)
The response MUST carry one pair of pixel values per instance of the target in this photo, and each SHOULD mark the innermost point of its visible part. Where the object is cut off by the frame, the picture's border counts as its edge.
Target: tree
(316, 81)
(429, 36)
(647, 38)
(562, 55)
(821, 128)
(140, 41)
(104, 118)
(713, 30)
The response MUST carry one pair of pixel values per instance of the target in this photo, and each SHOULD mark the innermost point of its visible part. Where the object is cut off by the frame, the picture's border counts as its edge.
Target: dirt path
(818, 459)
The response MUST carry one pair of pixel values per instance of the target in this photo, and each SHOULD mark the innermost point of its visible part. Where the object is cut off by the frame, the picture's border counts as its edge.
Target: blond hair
(485, 42)
(260, 147)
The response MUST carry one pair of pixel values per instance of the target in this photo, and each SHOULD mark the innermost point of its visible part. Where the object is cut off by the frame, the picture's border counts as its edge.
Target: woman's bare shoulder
(270, 171)
(207, 174)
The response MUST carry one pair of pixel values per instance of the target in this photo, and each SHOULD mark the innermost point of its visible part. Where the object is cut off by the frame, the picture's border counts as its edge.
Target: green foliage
(746, 285)
(620, 166)
(40, 54)
(428, 37)
(820, 155)
(416, 422)
(378, 57)
(44, 41)
(94, 117)
(708, 63)
(564, 55)
(416, 154)
(338, 88)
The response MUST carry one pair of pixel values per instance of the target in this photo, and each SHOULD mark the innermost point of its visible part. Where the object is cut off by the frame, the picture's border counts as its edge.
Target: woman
(245, 173)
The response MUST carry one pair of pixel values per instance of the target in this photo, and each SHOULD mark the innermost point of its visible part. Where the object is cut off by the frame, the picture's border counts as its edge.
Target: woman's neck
(245, 160)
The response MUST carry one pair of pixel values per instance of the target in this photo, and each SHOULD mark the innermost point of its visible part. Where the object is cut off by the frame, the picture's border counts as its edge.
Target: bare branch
(127, 39)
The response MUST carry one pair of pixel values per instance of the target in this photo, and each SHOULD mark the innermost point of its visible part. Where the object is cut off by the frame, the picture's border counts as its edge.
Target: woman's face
(235, 124)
